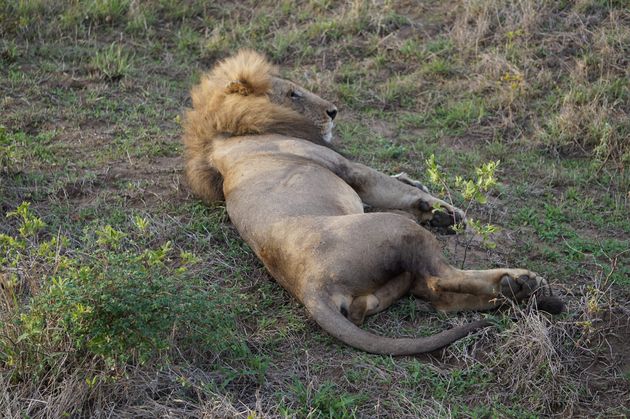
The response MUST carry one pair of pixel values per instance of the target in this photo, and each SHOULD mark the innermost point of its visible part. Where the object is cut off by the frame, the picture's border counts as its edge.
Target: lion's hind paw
(522, 286)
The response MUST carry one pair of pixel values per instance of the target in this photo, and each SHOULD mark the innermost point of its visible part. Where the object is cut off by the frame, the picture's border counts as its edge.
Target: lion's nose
(332, 113)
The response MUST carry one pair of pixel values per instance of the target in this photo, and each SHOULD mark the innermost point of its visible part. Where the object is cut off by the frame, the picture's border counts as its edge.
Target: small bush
(116, 301)
(471, 192)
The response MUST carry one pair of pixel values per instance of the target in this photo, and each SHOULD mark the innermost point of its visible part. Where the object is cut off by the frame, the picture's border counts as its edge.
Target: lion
(264, 145)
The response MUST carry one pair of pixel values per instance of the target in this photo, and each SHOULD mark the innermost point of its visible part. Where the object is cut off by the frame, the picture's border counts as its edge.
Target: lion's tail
(333, 322)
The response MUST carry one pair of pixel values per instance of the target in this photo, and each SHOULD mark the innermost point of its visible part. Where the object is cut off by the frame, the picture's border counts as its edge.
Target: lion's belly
(276, 210)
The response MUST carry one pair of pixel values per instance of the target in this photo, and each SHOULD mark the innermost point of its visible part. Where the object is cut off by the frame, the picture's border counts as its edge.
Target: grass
(113, 63)
(120, 293)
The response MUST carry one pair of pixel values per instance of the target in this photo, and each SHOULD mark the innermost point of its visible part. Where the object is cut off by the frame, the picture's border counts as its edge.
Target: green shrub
(115, 300)
(471, 192)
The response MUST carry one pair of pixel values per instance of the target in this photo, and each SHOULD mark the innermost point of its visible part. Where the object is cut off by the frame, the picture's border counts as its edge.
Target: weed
(411, 48)
(9, 52)
(18, 149)
(113, 63)
(188, 40)
(438, 67)
(397, 92)
(457, 117)
(324, 400)
(107, 11)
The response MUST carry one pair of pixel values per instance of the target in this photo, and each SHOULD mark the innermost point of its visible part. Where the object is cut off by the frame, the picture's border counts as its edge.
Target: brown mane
(232, 100)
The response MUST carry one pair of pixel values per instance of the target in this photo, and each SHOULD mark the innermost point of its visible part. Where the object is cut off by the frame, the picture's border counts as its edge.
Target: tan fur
(300, 207)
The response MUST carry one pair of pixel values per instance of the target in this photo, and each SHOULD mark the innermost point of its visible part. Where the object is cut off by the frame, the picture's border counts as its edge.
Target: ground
(122, 295)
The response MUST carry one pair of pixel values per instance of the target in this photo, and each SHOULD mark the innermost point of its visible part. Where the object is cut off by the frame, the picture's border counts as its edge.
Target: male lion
(262, 142)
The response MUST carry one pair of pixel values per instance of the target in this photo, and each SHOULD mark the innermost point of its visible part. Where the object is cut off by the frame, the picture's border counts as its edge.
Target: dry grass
(522, 49)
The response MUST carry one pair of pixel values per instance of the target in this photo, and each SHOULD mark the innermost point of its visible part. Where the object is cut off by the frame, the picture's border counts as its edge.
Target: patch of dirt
(465, 143)
(67, 81)
(617, 338)
(605, 364)
(383, 129)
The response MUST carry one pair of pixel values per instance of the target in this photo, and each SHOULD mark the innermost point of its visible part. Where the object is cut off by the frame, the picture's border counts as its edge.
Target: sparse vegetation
(469, 192)
(122, 296)
(112, 63)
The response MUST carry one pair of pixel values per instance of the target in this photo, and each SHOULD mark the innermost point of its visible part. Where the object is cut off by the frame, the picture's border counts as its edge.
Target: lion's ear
(240, 87)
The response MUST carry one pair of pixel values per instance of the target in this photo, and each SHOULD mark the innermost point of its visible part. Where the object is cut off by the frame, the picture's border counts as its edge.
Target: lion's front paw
(519, 286)
(441, 215)
(444, 217)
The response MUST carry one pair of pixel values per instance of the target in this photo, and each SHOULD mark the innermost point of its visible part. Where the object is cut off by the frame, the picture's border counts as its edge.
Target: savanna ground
(121, 295)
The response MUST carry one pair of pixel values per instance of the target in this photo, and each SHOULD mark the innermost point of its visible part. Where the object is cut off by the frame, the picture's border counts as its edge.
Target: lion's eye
(295, 94)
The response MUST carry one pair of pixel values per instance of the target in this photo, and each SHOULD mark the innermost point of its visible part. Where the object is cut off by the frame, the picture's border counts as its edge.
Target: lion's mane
(232, 100)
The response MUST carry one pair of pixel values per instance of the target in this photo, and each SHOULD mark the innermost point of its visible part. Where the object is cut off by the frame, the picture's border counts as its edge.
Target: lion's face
(314, 108)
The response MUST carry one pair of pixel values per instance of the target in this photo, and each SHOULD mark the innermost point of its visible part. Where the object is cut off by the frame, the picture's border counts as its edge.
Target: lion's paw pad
(520, 287)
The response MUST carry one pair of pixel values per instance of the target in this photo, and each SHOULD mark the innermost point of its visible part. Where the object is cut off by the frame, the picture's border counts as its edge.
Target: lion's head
(311, 107)
(243, 95)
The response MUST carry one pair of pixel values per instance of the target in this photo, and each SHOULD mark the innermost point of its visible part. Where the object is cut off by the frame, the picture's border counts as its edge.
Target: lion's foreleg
(404, 178)
(391, 193)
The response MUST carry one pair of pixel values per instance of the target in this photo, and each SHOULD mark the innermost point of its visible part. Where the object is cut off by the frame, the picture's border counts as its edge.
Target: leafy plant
(471, 191)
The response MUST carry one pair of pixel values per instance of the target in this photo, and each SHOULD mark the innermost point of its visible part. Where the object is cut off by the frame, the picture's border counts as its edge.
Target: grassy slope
(91, 98)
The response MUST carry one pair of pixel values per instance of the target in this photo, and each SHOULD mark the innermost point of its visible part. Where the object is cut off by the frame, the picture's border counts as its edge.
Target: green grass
(135, 299)
(113, 63)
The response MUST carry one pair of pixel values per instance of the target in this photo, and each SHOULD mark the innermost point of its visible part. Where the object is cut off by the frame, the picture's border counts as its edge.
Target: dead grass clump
(534, 365)
(60, 394)
(480, 23)
(529, 363)
(588, 126)
(567, 366)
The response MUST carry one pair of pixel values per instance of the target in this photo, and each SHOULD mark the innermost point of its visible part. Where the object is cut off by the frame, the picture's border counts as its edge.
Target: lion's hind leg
(457, 290)
(366, 305)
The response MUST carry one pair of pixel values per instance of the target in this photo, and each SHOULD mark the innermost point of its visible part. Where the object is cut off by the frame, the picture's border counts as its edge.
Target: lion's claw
(521, 287)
